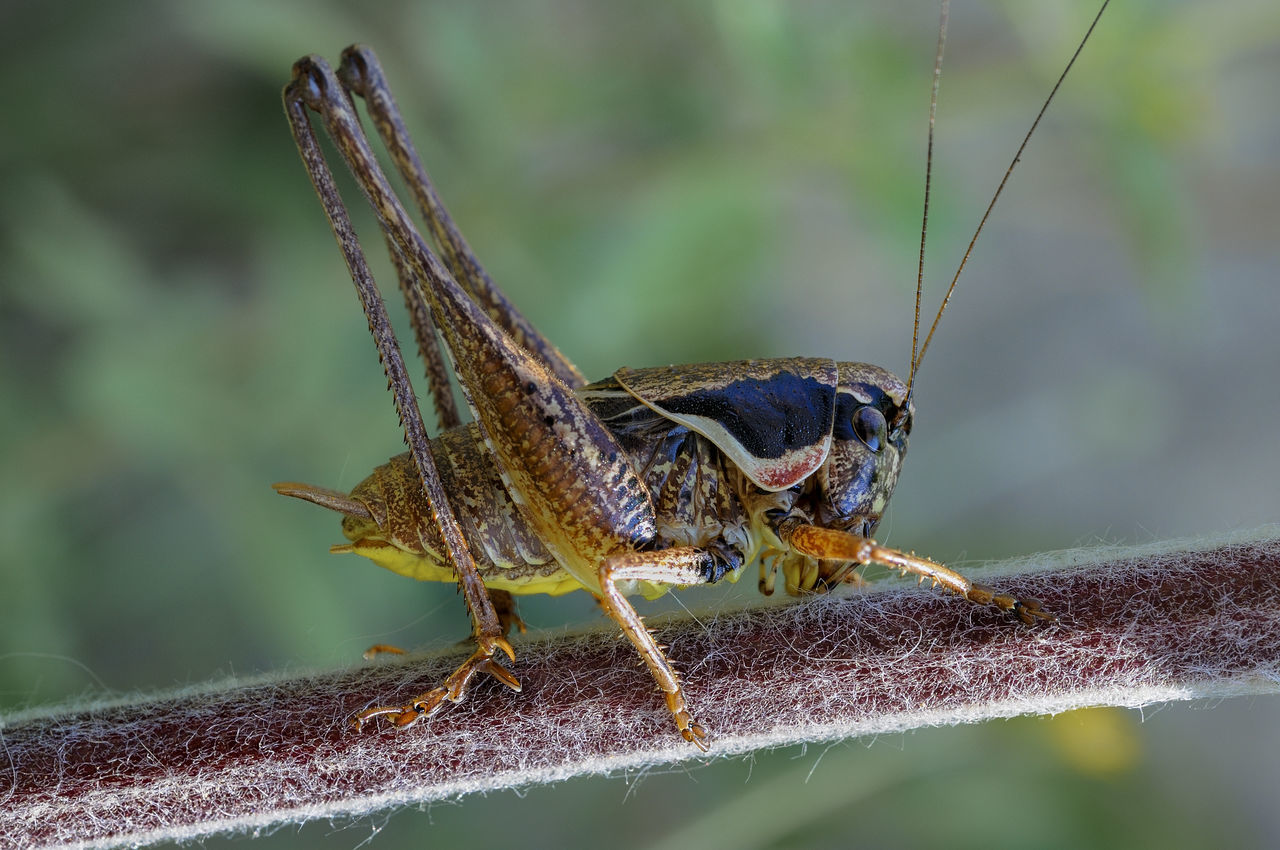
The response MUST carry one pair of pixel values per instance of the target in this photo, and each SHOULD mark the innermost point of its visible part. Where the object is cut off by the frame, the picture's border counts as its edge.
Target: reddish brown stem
(1134, 627)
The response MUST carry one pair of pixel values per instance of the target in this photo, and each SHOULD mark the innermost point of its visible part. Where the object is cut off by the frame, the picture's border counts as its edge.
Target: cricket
(649, 480)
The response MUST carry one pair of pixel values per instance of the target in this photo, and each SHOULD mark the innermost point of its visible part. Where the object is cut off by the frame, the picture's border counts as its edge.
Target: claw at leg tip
(697, 736)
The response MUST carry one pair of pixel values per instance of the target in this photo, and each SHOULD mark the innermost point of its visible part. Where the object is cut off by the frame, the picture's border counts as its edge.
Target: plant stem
(1136, 626)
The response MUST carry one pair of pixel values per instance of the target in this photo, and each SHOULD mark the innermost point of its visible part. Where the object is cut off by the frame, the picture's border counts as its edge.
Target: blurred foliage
(705, 181)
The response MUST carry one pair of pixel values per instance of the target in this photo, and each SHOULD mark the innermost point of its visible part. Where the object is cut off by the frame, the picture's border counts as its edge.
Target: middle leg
(681, 565)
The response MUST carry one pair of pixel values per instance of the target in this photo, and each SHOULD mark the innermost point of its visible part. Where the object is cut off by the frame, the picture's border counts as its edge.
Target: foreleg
(838, 545)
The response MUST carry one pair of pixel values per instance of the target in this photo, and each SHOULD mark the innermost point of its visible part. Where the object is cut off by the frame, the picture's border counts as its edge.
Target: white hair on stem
(1170, 621)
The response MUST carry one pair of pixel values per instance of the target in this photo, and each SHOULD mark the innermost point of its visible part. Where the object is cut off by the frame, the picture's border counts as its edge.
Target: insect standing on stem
(647, 480)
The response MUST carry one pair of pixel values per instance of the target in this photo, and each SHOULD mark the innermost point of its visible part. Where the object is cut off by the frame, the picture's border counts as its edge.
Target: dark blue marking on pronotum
(768, 417)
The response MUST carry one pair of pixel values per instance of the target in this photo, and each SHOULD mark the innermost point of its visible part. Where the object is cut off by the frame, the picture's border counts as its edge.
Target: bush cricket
(651, 479)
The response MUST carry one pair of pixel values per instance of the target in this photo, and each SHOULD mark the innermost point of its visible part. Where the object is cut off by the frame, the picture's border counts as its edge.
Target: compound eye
(870, 427)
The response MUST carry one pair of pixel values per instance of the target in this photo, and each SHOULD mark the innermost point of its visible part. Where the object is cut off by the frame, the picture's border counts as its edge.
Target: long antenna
(928, 177)
(918, 356)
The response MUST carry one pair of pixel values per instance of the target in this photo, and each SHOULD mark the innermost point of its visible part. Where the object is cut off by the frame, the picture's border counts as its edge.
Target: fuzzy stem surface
(1165, 622)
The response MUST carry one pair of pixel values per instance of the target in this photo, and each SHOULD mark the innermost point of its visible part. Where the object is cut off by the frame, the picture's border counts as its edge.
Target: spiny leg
(424, 332)
(361, 74)
(488, 629)
(568, 474)
(840, 545)
(681, 565)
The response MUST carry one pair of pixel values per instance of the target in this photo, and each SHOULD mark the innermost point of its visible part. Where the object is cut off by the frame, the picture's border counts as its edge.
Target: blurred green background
(651, 184)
